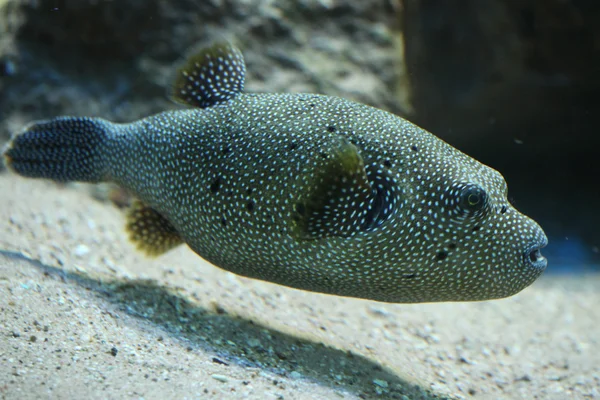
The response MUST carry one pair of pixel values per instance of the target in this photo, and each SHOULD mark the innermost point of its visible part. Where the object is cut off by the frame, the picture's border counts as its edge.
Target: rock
(116, 60)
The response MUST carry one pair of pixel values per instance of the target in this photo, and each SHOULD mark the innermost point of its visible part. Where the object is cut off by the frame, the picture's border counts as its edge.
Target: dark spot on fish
(476, 228)
(324, 155)
(292, 146)
(414, 148)
(442, 255)
(387, 163)
(409, 276)
(223, 221)
(249, 191)
(300, 209)
(503, 209)
(383, 198)
(354, 142)
(331, 129)
(312, 105)
(226, 150)
(452, 246)
(250, 206)
(216, 185)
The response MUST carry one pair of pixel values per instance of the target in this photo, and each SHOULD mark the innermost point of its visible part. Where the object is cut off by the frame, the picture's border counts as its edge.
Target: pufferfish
(309, 191)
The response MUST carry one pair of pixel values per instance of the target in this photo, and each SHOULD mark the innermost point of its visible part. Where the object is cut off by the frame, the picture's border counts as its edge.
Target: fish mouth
(533, 256)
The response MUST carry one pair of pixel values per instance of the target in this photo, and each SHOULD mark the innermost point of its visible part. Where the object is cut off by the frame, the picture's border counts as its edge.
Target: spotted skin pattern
(309, 191)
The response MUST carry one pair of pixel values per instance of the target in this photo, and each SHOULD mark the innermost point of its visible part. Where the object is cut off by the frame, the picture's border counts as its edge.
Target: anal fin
(152, 233)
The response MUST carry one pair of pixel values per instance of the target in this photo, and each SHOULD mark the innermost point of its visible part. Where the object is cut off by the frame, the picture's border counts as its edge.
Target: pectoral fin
(346, 198)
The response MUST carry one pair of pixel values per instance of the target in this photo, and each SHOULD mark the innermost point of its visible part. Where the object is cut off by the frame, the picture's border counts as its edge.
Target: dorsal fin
(346, 197)
(211, 76)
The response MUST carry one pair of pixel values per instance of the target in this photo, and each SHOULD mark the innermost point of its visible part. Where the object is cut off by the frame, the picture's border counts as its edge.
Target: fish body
(310, 191)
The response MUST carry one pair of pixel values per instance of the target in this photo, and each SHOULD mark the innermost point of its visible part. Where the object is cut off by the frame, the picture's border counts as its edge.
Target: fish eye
(472, 198)
(465, 200)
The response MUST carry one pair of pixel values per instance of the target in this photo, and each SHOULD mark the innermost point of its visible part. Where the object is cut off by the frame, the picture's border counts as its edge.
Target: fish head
(470, 241)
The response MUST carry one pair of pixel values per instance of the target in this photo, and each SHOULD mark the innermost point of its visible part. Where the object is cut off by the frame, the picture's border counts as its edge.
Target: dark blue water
(570, 254)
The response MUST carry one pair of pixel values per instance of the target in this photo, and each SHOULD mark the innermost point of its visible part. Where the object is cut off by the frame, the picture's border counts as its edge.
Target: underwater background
(512, 84)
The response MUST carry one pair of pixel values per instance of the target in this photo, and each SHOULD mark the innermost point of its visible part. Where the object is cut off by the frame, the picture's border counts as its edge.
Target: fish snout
(533, 255)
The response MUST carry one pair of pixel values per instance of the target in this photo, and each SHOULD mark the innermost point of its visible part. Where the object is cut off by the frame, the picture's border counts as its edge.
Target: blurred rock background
(514, 84)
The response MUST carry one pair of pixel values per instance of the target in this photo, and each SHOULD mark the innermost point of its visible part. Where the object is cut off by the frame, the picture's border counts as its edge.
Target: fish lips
(533, 255)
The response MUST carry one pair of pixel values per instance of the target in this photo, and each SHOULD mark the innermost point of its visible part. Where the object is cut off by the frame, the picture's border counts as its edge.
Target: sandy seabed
(83, 315)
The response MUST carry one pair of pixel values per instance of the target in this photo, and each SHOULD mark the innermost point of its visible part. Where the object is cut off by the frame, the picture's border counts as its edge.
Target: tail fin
(61, 149)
